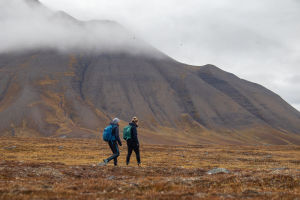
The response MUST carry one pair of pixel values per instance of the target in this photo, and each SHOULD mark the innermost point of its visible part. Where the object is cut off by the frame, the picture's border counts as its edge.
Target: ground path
(48, 168)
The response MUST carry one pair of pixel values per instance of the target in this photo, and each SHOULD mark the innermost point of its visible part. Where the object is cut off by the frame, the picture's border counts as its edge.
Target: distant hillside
(75, 92)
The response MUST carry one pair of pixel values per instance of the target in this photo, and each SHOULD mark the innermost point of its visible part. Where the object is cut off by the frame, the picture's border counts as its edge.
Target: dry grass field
(47, 168)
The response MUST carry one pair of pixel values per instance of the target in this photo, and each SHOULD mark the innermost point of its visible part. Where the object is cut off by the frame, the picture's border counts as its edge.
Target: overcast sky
(258, 40)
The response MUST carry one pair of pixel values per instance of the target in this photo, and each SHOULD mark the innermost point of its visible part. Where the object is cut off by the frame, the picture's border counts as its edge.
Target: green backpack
(127, 132)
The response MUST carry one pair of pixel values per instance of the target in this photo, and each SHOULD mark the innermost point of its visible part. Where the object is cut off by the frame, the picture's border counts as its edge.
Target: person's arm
(118, 136)
(134, 135)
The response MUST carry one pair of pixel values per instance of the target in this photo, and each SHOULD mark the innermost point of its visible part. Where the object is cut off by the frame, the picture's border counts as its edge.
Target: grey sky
(258, 40)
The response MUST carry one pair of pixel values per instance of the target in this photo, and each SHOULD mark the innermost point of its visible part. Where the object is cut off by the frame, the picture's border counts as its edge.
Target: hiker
(111, 135)
(130, 135)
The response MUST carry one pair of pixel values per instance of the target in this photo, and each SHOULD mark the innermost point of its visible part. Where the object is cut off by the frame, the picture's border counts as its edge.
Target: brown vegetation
(45, 168)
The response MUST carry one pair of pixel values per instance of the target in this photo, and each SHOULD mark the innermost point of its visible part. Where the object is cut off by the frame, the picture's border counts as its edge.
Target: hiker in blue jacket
(133, 143)
(113, 144)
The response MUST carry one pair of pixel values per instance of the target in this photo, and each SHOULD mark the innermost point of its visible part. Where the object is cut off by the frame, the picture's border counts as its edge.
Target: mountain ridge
(74, 91)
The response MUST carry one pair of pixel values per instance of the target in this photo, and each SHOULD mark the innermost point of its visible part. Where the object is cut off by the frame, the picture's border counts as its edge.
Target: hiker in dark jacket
(133, 142)
(113, 144)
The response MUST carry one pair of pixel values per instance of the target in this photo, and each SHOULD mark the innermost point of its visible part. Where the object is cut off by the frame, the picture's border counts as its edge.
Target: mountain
(99, 70)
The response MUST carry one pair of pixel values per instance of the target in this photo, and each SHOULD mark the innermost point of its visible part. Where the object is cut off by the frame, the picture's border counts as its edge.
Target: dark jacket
(134, 138)
(115, 132)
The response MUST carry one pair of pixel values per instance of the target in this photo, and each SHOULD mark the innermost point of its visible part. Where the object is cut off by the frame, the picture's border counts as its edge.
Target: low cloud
(32, 26)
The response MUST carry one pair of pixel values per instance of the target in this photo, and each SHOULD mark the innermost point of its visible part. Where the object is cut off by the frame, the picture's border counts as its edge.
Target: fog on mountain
(29, 25)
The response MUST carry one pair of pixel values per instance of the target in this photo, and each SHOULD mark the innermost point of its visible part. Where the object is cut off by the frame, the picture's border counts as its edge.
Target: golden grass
(49, 168)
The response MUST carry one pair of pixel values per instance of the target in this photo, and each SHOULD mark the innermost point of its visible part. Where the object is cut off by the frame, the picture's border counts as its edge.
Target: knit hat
(115, 120)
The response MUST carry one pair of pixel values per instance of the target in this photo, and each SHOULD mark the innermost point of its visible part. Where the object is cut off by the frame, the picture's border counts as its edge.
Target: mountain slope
(73, 88)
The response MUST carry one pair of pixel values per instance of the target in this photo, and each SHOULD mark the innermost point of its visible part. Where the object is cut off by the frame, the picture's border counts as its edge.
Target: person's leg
(117, 153)
(129, 152)
(114, 148)
(137, 153)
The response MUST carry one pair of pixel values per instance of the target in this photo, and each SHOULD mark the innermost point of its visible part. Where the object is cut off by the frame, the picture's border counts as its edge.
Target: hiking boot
(139, 164)
(104, 163)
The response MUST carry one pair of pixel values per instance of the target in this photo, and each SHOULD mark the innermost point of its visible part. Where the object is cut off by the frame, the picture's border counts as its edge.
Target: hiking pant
(115, 149)
(136, 149)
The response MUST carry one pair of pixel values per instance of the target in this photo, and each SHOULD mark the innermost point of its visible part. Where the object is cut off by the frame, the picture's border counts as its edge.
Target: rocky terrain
(46, 168)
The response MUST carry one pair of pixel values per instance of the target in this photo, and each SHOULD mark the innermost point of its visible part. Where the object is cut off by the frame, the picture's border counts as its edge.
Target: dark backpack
(127, 132)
